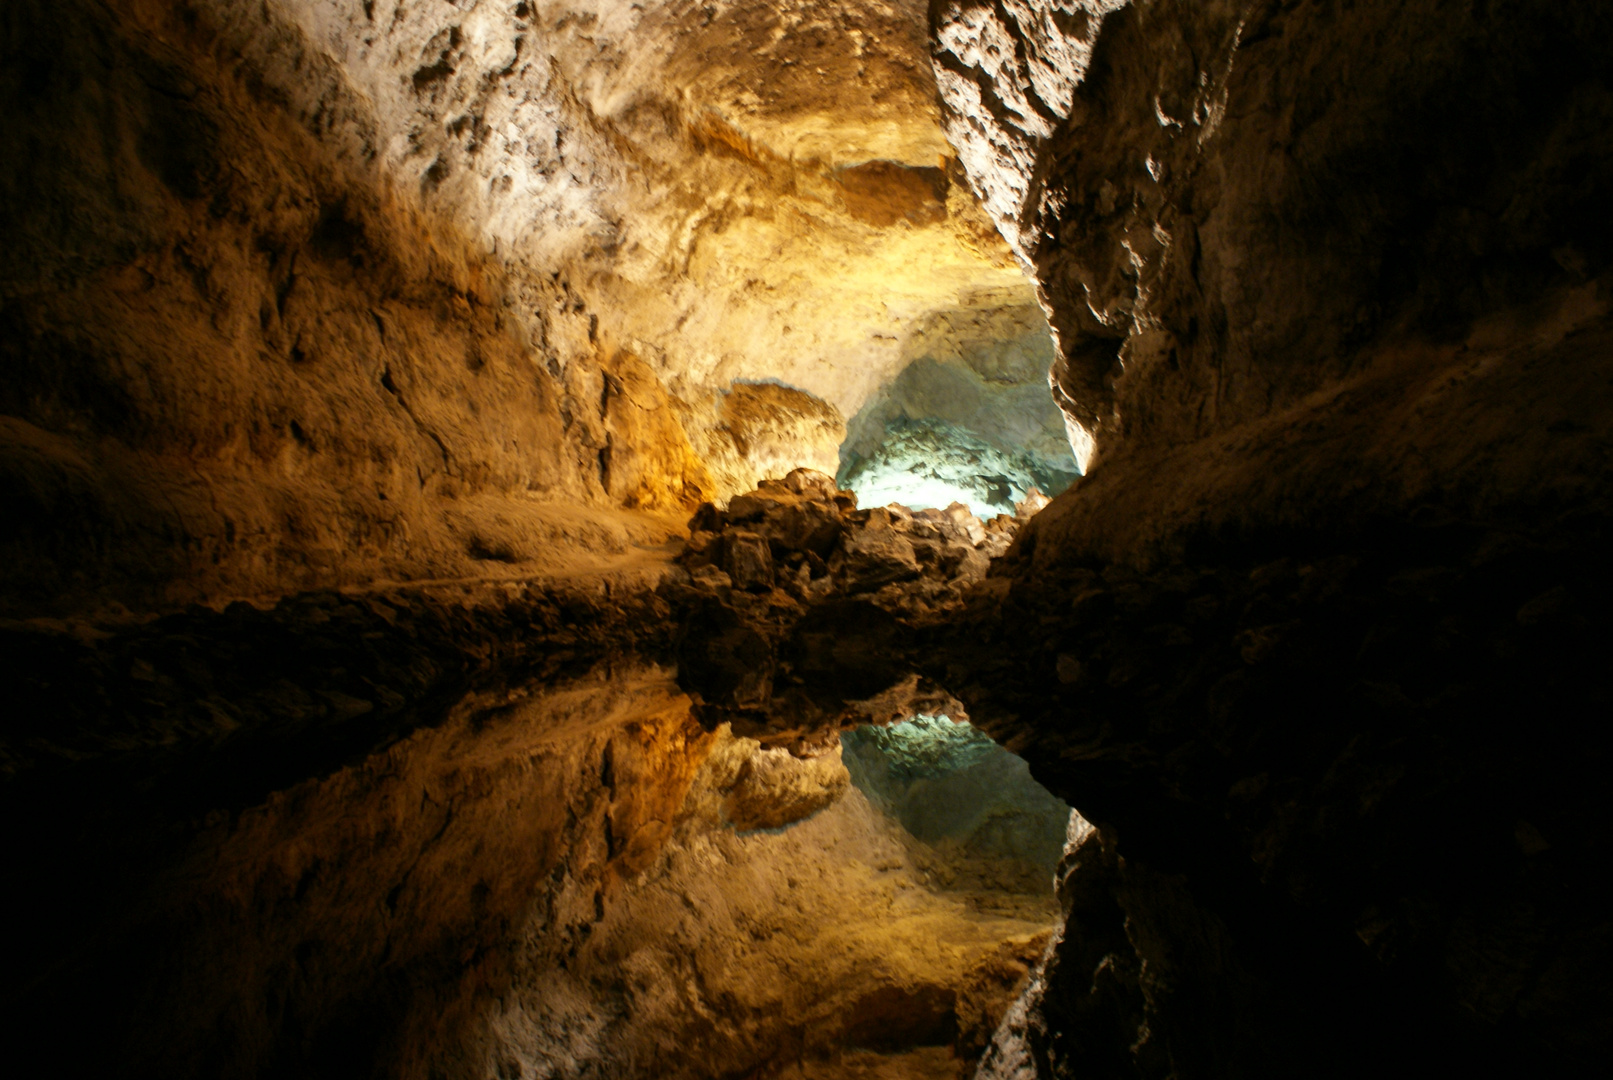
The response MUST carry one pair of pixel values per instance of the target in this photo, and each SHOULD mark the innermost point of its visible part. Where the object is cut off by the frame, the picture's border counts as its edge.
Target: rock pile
(797, 608)
(805, 536)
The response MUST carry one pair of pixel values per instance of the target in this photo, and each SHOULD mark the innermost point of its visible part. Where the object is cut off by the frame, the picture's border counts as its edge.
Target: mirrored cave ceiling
(735, 194)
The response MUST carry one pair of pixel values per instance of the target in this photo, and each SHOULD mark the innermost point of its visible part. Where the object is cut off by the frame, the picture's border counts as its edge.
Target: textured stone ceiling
(732, 191)
(396, 290)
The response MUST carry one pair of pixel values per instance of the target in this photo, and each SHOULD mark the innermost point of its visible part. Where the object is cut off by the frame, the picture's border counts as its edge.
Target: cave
(817, 540)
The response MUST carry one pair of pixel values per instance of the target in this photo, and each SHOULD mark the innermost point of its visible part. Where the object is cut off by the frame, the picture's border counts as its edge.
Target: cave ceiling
(733, 191)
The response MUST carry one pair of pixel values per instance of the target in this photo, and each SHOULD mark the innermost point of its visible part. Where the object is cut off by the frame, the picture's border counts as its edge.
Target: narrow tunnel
(810, 540)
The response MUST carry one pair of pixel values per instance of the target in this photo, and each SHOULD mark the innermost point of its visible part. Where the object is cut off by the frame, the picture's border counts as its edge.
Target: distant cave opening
(969, 419)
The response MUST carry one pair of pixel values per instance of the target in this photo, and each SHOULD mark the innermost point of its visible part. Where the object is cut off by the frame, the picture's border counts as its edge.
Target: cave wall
(719, 184)
(1223, 206)
(968, 418)
(479, 298)
(306, 293)
(360, 360)
(239, 364)
(1330, 293)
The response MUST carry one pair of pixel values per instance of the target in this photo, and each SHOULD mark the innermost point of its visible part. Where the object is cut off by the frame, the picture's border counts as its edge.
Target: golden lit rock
(575, 538)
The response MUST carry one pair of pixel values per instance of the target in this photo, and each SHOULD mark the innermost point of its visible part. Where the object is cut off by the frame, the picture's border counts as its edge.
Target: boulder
(812, 483)
(876, 556)
(777, 788)
(749, 561)
(807, 526)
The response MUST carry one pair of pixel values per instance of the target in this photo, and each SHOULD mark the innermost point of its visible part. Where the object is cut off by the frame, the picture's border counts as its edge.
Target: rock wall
(1333, 315)
(321, 292)
(711, 194)
(305, 299)
(239, 363)
(1224, 206)
(968, 419)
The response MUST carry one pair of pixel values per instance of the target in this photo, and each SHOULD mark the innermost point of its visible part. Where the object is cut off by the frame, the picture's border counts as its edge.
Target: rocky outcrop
(1223, 205)
(775, 788)
(1301, 645)
(763, 430)
(241, 364)
(968, 419)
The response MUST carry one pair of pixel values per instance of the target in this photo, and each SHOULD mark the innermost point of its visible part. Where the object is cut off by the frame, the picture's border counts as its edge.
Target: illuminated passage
(969, 420)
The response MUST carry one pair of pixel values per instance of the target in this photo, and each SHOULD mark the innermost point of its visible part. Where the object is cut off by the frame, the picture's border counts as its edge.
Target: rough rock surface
(753, 953)
(1222, 204)
(309, 293)
(301, 299)
(797, 612)
(985, 822)
(764, 430)
(719, 185)
(968, 419)
(239, 364)
(1330, 289)
(775, 788)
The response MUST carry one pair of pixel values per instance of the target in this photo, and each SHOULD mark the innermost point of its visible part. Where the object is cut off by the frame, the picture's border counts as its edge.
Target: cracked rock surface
(312, 293)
